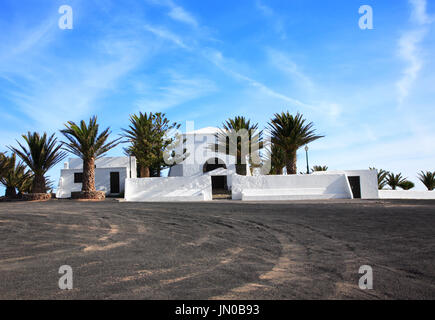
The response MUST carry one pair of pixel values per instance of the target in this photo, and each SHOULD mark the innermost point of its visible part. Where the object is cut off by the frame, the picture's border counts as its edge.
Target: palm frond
(14, 174)
(289, 133)
(395, 180)
(41, 152)
(319, 168)
(84, 141)
(428, 179)
(239, 138)
(406, 185)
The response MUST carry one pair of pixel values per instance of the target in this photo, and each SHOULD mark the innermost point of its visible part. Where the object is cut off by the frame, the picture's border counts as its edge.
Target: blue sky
(370, 92)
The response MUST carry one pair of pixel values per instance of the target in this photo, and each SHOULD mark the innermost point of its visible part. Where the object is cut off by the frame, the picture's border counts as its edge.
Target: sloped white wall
(168, 189)
(334, 184)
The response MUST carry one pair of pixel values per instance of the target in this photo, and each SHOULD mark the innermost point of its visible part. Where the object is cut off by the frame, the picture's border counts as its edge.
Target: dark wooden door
(355, 185)
(114, 182)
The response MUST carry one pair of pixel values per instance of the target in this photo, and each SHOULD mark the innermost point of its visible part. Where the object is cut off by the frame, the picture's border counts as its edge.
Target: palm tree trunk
(88, 175)
(277, 171)
(144, 172)
(38, 184)
(290, 162)
(241, 169)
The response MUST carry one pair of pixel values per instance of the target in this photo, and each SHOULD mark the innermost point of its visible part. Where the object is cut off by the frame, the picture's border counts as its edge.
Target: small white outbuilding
(110, 175)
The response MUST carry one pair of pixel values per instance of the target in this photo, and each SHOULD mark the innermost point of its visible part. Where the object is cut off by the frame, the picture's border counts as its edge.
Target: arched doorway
(213, 164)
(219, 183)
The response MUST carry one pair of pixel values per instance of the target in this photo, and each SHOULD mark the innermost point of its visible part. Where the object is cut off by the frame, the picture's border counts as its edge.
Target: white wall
(304, 185)
(368, 178)
(406, 194)
(196, 188)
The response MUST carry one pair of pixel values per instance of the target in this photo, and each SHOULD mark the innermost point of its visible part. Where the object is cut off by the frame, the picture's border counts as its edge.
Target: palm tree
(14, 175)
(275, 157)
(164, 132)
(149, 136)
(319, 168)
(289, 133)
(140, 135)
(395, 180)
(241, 139)
(428, 179)
(26, 185)
(382, 178)
(40, 155)
(85, 142)
(407, 185)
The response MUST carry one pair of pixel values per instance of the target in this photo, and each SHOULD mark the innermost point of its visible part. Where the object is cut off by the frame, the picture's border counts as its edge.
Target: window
(78, 177)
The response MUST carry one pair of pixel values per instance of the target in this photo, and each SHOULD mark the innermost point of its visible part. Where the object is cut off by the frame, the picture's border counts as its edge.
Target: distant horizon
(370, 92)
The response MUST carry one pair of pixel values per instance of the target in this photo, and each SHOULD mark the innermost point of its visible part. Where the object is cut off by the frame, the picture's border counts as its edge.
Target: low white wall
(406, 194)
(168, 189)
(294, 186)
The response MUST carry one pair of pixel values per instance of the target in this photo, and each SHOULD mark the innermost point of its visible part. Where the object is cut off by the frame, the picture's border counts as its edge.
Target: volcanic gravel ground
(217, 250)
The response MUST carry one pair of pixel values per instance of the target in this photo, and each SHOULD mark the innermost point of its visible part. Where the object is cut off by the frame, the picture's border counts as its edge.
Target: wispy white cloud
(217, 59)
(409, 48)
(267, 11)
(39, 36)
(418, 13)
(49, 95)
(176, 12)
(277, 21)
(25, 45)
(220, 61)
(179, 89)
(167, 35)
(180, 14)
(409, 51)
(283, 62)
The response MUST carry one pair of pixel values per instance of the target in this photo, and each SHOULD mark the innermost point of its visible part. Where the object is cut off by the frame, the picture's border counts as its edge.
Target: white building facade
(199, 149)
(203, 159)
(110, 175)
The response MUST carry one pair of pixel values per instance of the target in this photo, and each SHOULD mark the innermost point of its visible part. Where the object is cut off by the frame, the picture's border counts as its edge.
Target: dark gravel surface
(218, 250)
